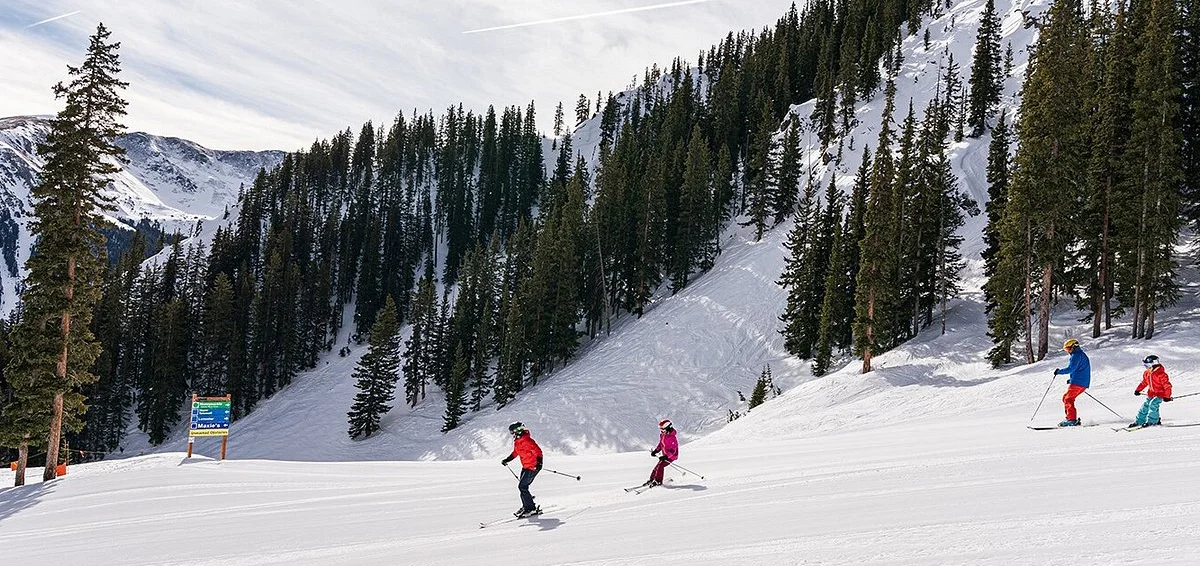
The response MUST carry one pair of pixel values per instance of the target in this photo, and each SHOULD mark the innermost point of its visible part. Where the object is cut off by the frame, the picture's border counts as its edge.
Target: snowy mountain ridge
(171, 181)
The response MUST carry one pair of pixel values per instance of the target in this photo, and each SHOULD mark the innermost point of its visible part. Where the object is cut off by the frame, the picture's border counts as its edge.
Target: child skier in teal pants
(1158, 389)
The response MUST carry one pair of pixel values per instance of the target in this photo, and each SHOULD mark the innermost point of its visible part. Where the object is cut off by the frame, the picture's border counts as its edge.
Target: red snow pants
(657, 474)
(1073, 391)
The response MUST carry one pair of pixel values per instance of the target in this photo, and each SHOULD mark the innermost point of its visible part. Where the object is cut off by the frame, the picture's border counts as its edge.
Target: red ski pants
(1073, 391)
(657, 474)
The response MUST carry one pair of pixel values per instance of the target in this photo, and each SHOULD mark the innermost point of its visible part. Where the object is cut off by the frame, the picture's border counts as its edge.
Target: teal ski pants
(1149, 412)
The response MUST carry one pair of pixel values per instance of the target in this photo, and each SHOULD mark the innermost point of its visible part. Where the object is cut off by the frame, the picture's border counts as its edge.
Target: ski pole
(562, 474)
(685, 470)
(1105, 406)
(514, 474)
(1039, 407)
(1174, 397)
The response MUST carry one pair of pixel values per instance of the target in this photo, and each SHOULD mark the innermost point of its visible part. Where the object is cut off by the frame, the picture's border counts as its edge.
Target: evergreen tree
(986, 72)
(558, 121)
(455, 394)
(787, 186)
(760, 176)
(1189, 110)
(583, 110)
(1153, 155)
(875, 294)
(419, 354)
(759, 395)
(376, 374)
(1109, 197)
(1054, 129)
(56, 345)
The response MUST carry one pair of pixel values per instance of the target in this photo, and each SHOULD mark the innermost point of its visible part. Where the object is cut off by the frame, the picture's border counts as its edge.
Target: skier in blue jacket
(1080, 371)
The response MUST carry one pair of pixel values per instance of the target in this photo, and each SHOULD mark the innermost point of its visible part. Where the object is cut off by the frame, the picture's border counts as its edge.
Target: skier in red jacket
(531, 463)
(1158, 390)
(668, 445)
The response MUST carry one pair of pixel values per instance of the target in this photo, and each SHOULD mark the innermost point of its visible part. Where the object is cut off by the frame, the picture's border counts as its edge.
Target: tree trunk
(1044, 311)
(1028, 314)
(1150, 325)
(22, 462)
(869, 331)
(51, 470)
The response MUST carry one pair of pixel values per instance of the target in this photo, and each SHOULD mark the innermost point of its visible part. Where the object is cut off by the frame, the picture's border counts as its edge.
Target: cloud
(277, 74)
(48, 20)
(588, 16)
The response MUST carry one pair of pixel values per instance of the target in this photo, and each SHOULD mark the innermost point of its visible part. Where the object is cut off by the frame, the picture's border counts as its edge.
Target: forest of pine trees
(456, 220)
(1091, 207)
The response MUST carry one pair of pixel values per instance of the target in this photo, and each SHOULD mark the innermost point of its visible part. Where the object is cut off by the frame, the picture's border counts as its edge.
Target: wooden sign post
(210, 417)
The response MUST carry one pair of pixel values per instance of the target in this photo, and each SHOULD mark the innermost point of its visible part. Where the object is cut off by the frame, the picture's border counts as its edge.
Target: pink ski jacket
(668, 445)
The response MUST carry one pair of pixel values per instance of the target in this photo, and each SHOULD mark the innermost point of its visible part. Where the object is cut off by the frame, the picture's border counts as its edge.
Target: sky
(272, 74)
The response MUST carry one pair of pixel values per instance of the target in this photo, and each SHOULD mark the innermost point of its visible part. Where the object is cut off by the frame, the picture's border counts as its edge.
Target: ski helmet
(1150, 361)
(664, 424)
(1071, 343)
(516, 428)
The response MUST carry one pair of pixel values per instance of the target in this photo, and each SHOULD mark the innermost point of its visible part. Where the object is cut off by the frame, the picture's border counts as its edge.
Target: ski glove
(1167, 399)
(664, 458)
(654, 452)
(1137, 393)
(538, 467)
(506, 460)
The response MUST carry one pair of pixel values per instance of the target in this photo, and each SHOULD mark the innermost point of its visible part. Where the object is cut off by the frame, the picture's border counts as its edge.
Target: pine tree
(833, 319)
(583, 110)
(456, 405)
(1108, 196)
(558, 121)
(1189, 110)
(875, 294)
(419, 355)
(57, 348)
(376, 374)
(760, 176)
(1054, 135)
(787, 186)
(1003, 325)
(759, 395)
(986, 71)
(1153, 155)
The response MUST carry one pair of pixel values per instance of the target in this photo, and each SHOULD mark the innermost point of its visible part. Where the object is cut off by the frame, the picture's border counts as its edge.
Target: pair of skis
(1171, 425)
(514, 518)
(1114, 428)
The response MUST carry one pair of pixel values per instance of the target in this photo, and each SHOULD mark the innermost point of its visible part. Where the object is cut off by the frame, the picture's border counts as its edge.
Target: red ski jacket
(1156, 378)
(527, 450)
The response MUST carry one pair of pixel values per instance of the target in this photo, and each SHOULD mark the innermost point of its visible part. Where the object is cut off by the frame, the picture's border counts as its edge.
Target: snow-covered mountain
(166, 180)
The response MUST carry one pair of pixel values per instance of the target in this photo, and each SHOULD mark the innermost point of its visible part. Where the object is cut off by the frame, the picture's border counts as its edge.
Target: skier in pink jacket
(668, 447)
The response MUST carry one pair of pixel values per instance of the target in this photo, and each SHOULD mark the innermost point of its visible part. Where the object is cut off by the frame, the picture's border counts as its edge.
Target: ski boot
(1069, 422)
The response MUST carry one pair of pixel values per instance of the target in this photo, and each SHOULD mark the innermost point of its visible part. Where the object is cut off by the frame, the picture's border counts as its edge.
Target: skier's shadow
(546, 523)
(690, 486)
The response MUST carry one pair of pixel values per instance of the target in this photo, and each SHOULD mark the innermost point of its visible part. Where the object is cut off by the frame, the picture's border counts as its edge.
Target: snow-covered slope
(171, 181)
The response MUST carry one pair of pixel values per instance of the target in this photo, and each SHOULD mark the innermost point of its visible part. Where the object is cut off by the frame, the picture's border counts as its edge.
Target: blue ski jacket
(1080, 369)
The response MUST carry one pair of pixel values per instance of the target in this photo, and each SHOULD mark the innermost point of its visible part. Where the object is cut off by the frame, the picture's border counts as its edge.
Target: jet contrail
(54, 18)
(586, 16)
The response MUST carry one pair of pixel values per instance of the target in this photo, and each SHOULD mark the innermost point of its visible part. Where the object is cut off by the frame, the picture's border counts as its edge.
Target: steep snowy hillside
(691, 354)
(167, 180)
